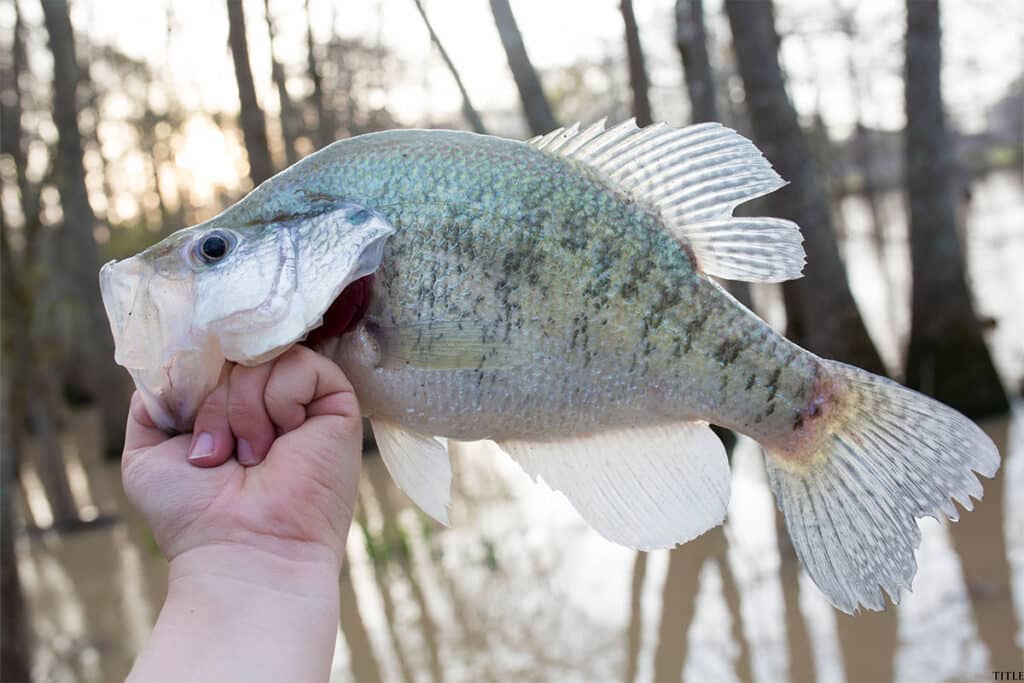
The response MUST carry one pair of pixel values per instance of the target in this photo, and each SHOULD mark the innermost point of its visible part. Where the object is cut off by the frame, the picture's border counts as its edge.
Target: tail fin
(886, 457)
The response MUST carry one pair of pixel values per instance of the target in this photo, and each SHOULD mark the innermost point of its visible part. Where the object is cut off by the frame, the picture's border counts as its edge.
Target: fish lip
(168, 374)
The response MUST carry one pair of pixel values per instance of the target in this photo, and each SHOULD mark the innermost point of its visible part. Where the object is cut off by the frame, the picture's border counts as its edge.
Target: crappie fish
(556, 297)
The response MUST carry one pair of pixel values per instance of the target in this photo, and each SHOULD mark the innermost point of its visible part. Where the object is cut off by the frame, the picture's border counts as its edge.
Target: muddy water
(520, 589)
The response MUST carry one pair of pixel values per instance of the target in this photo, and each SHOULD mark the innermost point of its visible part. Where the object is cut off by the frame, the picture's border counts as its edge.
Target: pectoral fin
(642, 487)
(419, 465)
(446, 345)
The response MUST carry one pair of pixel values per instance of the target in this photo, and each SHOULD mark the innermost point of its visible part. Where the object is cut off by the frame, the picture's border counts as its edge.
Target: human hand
(254, 541)
(293, 427)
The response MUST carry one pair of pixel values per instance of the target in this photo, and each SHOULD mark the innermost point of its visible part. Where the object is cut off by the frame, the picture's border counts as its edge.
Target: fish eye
(214, 246)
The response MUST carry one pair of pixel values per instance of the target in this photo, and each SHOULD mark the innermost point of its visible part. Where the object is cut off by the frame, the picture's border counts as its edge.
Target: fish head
(230, 291)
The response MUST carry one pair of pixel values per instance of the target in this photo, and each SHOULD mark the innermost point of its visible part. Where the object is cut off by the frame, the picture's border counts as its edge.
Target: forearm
(239, 614)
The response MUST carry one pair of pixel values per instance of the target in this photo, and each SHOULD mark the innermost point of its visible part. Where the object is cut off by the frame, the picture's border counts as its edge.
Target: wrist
(301, 571)
(255, 590)
(226, 599)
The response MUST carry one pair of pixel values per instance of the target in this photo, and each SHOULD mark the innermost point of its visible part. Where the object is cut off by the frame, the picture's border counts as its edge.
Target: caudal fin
(886, 456)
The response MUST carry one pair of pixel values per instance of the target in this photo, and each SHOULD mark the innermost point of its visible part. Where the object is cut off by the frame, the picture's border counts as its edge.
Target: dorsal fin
(693, 178)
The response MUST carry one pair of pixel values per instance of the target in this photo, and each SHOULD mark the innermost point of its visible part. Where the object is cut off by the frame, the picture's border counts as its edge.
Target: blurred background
(899, 125)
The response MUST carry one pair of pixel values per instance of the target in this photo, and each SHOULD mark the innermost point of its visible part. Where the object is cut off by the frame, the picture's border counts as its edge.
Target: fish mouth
(344, 313)
(173, 367)
(174, 378)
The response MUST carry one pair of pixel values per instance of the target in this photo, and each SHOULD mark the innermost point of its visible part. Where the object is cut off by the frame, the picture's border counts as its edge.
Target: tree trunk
(467, 106)
(679, 601)
(734, 604)
(947, 358)
(691, 39)
(15, 645)
(12, 141)
(980, 541)
(362, 663)
(692, 42)
(104, 382)
(250, 116)
(635, 632)
(535, 102)
(637, 70)
(821, 313)
(864, 157)
(50, 461)
(289, 117)
(798, 640)
(325, 130)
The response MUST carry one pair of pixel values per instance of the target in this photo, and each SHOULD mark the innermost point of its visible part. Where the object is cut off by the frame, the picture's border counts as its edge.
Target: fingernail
(245, 454)
(202, 446)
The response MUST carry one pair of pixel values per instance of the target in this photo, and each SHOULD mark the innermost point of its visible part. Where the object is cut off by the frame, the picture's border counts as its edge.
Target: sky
(983, 44)
(983, 53)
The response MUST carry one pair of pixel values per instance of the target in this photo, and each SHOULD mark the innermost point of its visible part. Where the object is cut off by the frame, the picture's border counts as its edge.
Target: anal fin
(642, 487)
(419, 465)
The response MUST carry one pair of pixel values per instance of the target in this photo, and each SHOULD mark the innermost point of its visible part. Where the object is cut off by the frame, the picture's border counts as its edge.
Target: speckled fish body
(555, 303)
(556, 296)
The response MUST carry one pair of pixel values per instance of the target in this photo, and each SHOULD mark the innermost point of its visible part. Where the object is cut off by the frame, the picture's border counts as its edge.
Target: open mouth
(344, 313)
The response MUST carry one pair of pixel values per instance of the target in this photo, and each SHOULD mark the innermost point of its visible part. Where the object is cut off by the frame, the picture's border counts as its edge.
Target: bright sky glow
(982, 43)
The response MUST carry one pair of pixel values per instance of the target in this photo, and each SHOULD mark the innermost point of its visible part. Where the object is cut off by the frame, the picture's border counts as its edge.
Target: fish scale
(557, 296)
(611, 264)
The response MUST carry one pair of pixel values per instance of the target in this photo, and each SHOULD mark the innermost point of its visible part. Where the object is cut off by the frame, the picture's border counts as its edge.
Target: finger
(141, 432)
(300, 382)
(212, 441)
(250, 423)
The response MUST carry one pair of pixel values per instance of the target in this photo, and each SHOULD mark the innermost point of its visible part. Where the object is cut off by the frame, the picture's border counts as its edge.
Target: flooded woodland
(899, 128)
(519, 588)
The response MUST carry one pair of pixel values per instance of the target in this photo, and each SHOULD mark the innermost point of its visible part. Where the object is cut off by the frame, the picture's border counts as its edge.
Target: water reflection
(520, 588)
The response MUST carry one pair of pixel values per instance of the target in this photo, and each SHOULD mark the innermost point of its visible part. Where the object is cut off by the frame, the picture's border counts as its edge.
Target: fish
(560, 297)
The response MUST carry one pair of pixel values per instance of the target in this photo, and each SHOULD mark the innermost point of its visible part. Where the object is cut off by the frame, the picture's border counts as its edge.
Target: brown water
(521, 589)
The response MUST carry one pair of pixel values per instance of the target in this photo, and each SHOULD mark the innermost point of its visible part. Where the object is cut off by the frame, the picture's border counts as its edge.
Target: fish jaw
(173, 365)
(174, 392)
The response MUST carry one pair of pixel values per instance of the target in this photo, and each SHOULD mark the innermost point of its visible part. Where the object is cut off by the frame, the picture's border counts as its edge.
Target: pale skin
(253, 519)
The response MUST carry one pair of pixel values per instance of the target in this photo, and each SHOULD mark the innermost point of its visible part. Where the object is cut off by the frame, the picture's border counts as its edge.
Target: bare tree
(637, 71)
(821, 313)
(635, 631)
(692, 42)
(679, 604)
(468, 110)
(947, 357)
(363, 664)
(863, 155)
(325, 128)
(798, 638)
(15, 646)
(535, 102)
(33, 396)
(289, 115)
(679, 601)
(103, 380)
(250, 115)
